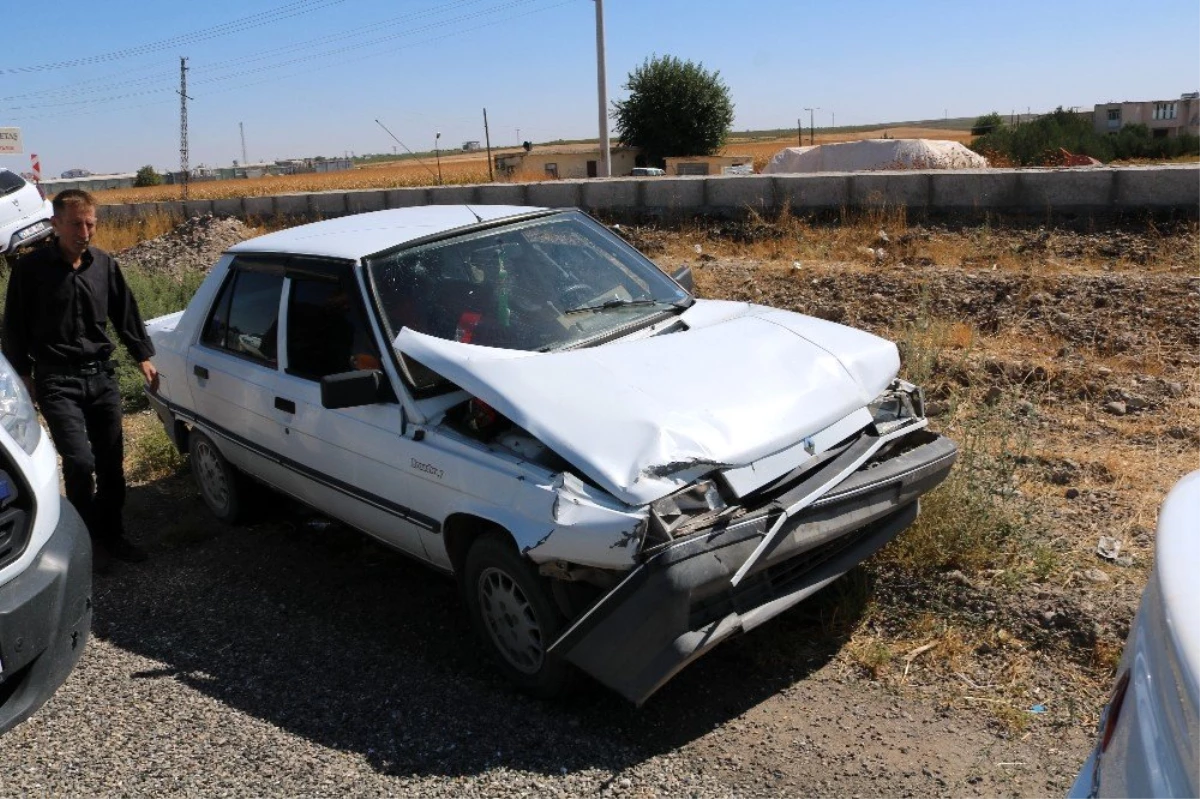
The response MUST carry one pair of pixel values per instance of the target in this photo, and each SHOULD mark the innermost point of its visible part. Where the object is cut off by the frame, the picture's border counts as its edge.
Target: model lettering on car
(428, 468)
(626, 475)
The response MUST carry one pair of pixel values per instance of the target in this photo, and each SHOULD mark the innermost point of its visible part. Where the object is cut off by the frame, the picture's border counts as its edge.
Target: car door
(233, 370)
(352, 458)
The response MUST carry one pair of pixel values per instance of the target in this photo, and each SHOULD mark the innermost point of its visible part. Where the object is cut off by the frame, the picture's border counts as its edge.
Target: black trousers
(84, 417)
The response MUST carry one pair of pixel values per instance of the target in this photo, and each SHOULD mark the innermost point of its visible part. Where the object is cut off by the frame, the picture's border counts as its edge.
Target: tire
(514, 616)
(219, 483)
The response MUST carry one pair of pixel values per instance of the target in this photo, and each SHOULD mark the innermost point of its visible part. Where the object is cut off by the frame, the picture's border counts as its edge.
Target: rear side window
(10, 182)
(245, 318)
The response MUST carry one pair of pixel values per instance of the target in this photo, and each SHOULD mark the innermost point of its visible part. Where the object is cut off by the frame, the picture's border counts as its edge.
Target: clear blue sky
(93, 84)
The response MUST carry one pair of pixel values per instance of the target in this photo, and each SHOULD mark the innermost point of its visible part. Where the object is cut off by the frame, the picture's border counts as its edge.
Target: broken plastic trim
(862, 452)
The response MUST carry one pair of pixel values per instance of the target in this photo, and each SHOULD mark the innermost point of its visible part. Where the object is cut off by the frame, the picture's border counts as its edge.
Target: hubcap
(510, 620)
(211, 476)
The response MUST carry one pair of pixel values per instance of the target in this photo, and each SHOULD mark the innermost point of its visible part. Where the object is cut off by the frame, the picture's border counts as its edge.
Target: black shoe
(122, 548)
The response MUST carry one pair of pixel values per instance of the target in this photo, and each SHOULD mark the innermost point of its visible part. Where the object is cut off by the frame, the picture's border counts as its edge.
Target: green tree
(675, 108)
(987, 124)
(147, 176)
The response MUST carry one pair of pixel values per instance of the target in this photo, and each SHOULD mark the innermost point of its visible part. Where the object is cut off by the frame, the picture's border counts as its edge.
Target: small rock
(1072, 493)
(993, 395)
(881, 254)
(1095, 576)
(882, 237)
(936, 408)
(1116, 408)
(1108, 547)
(1175, 389)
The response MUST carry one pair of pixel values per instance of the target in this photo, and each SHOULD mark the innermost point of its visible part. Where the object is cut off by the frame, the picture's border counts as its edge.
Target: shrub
(147, 176)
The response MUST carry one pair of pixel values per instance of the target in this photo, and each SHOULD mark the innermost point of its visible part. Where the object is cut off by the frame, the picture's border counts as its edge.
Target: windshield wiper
(618, 303)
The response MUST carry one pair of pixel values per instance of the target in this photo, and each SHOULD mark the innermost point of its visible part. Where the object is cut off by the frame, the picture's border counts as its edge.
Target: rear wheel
(218, 481)
(514, 615)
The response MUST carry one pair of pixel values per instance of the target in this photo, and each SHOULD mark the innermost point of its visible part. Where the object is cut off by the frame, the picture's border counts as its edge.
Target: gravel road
(279, 659)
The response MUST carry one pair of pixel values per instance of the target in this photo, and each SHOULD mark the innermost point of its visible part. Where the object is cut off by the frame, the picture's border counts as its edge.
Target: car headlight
(17, 413)
(698, 503)
(900, 404)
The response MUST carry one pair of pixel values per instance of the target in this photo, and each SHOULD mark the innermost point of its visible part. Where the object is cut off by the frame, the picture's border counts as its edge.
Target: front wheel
(217, 480)
(514, 616)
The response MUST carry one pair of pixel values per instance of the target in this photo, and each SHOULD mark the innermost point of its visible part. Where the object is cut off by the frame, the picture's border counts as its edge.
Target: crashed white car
(619, 475)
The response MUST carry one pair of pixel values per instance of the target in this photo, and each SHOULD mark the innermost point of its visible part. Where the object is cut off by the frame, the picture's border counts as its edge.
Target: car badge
(810, 446)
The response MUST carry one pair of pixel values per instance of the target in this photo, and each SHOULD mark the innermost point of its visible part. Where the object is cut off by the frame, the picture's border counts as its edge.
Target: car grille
(16, 512)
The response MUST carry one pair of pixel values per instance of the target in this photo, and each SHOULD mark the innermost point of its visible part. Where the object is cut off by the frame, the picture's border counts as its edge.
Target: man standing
(61, 298)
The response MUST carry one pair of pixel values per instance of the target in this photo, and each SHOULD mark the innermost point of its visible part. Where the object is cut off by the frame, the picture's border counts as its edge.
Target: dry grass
(117, 235)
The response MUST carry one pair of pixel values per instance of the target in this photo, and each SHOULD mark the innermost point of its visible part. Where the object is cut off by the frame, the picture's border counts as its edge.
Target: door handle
(200, 371)
(285, 405)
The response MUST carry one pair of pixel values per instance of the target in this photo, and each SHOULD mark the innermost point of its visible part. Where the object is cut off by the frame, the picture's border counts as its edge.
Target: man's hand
(29, 386)
(150, 374)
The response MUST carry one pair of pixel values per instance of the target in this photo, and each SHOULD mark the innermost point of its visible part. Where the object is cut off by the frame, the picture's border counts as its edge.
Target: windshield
(537, 285)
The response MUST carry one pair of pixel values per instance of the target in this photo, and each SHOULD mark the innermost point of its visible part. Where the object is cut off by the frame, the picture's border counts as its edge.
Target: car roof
(359, 235)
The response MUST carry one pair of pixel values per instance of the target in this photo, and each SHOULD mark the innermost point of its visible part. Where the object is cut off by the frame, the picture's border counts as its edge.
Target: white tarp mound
(853, 156)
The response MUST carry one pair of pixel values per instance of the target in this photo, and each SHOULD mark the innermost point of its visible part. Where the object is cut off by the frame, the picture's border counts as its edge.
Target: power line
(294, 9)
(358, 47)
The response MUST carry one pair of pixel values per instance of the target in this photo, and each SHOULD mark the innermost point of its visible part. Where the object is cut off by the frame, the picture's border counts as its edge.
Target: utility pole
(242, 130)
(183, 142)
(606, 156)
(811, 135)
(487, 137)
(437, 149)
(800, 131)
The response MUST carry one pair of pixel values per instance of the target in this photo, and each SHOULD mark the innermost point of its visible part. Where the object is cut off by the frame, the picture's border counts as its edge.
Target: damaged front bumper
(697, 591)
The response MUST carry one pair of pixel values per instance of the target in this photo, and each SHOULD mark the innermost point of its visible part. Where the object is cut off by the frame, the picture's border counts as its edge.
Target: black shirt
(58, 316)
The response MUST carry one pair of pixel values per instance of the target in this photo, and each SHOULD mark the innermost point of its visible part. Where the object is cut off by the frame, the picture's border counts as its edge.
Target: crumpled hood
(645, 417)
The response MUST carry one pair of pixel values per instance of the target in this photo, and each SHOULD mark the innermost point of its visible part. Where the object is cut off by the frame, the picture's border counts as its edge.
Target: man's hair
(72, 198)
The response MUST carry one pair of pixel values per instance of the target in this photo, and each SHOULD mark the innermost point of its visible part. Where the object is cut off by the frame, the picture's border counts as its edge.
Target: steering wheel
(576, 294)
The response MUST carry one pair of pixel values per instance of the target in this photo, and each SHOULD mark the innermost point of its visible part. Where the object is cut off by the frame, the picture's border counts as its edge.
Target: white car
(45, 562)
(24, 212)
(1148, 743)
(619, 475)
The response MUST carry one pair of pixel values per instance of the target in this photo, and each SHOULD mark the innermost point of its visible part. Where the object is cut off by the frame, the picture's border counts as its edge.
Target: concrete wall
(1017, 191)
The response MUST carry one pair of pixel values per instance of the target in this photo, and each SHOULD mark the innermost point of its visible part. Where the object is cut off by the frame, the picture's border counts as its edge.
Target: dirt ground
(1091, 334)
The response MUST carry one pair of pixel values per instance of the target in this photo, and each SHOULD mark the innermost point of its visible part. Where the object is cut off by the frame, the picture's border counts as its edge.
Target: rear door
(233, 370)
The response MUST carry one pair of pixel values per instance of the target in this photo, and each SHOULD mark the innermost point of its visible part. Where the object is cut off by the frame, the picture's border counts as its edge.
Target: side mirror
(351, 389)
(683, 276)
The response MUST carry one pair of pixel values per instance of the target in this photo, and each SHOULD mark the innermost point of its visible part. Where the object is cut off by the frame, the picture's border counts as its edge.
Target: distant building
(1163, 117)
(76, 173)
(89, 182)
(471, 145)
(711, 165)
(564, 162)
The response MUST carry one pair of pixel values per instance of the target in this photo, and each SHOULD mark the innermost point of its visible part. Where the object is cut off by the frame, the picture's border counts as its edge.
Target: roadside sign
(10, 141)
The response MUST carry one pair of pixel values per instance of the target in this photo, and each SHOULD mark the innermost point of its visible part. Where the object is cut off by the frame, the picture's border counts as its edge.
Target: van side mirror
(683, 276)
(351, 389)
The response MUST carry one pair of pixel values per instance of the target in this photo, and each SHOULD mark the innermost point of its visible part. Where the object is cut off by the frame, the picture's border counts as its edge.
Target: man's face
(75, 228)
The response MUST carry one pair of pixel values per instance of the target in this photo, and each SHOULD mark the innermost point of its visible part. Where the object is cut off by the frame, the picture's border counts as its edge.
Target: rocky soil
(295, 658)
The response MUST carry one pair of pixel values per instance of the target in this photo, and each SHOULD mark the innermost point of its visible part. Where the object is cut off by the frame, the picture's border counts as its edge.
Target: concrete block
(673, 193)
(291, 204)
(171, 208)
(739, 193)
(554, 193)
(890, 190)
(1157, 187)
(229, 206)
(812, 192)
(451, 195)
(327, 203)
(261, 207)
(1078, 189)
(608, 195)
(407, 198)
(502, 194)
(974, 189)
(193, 208)
(116, 213)
(359, 202)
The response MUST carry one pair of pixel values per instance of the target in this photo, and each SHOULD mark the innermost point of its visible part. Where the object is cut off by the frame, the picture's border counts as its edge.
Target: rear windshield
(10, 182)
